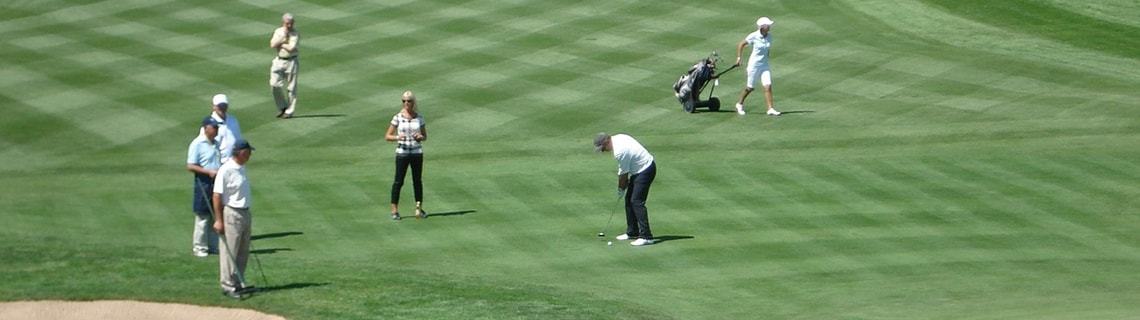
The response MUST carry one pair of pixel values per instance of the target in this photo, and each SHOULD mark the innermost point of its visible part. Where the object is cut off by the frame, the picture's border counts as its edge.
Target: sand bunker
(120, 309)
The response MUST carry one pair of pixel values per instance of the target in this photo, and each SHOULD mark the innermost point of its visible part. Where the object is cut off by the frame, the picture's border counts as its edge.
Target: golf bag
(688, 88)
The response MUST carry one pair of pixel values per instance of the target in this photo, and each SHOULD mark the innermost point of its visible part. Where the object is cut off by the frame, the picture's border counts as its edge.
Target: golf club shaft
(612, 212)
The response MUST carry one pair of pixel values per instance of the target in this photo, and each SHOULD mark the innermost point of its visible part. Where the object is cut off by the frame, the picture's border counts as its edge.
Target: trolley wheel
(714, 104)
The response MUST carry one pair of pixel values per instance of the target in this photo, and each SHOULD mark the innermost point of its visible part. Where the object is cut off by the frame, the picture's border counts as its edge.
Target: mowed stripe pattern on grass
(934, 171)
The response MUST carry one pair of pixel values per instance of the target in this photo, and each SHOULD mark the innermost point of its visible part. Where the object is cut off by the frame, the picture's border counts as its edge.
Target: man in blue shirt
(203, 159)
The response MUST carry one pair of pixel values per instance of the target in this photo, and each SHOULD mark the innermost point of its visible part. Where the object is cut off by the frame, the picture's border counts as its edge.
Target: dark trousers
(636, 216)
(403, 161)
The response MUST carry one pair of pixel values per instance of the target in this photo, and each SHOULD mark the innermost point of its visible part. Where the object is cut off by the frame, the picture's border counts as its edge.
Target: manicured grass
(937, 160)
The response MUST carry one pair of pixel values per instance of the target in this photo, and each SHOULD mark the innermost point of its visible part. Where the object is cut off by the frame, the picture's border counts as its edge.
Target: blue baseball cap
(209, 121)
(243, 144)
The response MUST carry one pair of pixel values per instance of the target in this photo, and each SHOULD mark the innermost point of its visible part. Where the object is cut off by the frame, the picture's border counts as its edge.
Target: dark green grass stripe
(1044, 210)
(964, 190)
(943, 202)
(1084, 185)
(1050, 22)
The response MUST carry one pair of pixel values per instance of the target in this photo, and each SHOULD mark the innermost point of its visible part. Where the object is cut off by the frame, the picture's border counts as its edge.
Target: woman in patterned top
(408, 131)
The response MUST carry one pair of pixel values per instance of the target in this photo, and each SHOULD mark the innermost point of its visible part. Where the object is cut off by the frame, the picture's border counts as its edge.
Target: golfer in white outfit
(761, 41)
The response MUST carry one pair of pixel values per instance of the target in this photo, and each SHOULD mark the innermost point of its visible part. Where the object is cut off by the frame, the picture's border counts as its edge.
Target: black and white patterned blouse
(408, 128)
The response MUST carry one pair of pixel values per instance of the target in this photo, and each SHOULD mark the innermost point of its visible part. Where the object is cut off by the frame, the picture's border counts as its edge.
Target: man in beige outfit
(233, 221)
(283, 72)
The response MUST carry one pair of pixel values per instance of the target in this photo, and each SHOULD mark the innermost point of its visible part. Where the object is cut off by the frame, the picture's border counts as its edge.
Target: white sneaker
(641, 242)
(740, 109)
(773, 112)
(201, 253)
(622, 237)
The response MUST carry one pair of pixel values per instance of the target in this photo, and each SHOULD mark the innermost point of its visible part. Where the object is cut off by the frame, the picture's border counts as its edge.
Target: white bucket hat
(763, 21)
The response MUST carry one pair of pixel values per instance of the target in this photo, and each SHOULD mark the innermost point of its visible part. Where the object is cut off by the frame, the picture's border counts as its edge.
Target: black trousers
(416, 162)
(636, 216)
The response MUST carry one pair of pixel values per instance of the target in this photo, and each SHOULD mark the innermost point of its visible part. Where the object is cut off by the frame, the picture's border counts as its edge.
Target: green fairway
(937, 159)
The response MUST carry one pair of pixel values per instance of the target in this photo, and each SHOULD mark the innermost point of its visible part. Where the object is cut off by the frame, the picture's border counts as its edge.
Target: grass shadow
(450, 213)
(291, 286)
(795, 112)
(269, 250)
(660, 239)
(275, 235)
(722, 110)
(327, 115)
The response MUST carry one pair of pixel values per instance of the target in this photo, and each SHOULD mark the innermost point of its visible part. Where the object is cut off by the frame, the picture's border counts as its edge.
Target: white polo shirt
(631, 156)
(232, 183)
(760, 45)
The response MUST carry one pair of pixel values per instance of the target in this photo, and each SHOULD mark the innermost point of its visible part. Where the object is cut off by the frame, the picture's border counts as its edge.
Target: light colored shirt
(232, 183)
(229, 132)
(631, 156)
(204, 153)
(408, 128)
(760, 45)
(289, 41)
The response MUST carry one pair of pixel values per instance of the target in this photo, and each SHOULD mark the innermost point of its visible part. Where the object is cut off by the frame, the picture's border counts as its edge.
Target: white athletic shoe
(773, 112)
(201, 253)
(641, 242)
(740, 109)
(622, 237)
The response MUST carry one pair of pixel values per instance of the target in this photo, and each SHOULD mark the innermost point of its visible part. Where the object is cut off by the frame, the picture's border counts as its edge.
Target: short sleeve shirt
(408, 127)
(204, 154)
(232, 183)
(760, 45)
(229, 132)
(631, 156)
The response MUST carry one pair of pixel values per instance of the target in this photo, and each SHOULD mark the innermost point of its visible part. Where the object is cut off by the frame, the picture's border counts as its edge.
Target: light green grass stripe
(1047, 219)
(1115, 11)
(75, 13)
(961, 32)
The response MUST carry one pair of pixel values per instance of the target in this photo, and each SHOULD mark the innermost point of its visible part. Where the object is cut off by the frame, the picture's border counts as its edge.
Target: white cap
(763, 21)
(220, 99)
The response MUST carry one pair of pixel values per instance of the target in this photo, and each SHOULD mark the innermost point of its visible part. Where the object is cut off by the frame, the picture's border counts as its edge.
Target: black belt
(289, 58)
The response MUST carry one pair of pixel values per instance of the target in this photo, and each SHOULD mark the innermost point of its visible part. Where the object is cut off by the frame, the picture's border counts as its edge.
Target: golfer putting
(636, 170)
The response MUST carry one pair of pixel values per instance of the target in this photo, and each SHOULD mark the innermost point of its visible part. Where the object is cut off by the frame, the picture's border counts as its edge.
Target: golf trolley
(688, 88)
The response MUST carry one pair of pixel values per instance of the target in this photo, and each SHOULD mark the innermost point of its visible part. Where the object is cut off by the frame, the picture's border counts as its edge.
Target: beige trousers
(235, 246)
(283, 81)
(205, 240)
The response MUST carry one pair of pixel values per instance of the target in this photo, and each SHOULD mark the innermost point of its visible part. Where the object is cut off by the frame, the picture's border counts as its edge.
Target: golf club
(602, 233)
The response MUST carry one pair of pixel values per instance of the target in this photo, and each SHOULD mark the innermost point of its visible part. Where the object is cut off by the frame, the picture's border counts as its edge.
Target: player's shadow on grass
(275, 235)
(449, 213)
(269, 250)
(325, 115)
(795, 112)
(660, 239)
(291, 286)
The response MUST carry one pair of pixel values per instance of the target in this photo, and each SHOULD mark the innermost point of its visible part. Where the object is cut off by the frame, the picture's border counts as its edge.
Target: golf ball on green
(609, 243)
